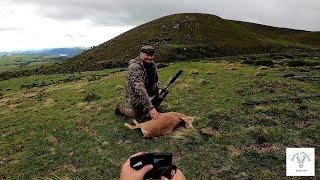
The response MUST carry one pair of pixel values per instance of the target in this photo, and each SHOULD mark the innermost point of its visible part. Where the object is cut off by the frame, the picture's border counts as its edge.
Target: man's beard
(148, 61)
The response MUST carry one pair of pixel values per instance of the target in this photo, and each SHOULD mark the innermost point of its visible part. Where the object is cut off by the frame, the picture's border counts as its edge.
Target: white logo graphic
(300, 161)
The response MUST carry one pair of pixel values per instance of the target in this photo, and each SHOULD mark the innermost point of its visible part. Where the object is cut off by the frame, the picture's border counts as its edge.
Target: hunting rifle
(158, 98)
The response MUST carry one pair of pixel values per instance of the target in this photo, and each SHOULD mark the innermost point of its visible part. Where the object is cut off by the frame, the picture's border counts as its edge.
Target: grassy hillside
(181, 37)
(63, 126)
(25, 61)
(190, 36)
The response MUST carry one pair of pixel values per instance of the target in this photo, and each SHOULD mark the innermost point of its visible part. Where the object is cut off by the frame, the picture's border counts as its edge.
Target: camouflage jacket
(137, 81)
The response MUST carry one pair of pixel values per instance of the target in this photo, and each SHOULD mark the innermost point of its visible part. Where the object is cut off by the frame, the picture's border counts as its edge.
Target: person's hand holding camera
(178, 175)
(129, 173)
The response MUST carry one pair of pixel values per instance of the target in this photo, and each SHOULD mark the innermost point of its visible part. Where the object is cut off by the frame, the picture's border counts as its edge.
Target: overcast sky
(36, 24)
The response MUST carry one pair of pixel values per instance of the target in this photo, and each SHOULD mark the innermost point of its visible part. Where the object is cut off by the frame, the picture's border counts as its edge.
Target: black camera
(162, 164)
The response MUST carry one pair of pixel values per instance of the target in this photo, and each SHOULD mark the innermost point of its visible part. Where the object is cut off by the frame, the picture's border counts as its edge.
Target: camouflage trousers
(133, 111)
(137, 111)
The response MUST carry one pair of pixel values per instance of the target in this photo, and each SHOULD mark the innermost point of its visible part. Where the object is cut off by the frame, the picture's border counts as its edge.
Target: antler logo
(300, 157)
(300, 161)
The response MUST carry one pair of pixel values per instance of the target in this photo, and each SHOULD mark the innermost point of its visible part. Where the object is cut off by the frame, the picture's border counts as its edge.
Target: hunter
(142, 84)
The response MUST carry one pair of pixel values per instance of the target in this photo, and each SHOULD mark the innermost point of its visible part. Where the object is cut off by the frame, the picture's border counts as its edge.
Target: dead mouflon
(164, 125)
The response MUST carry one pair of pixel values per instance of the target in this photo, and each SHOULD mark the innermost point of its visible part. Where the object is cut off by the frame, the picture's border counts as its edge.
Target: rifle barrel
(174, 78)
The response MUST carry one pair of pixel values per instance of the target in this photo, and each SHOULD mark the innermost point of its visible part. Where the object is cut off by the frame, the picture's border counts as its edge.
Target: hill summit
(194, 35)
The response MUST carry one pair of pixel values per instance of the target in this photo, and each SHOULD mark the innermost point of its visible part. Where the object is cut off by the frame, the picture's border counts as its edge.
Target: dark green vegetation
(22, 61)
(59, 126)
(188, 36)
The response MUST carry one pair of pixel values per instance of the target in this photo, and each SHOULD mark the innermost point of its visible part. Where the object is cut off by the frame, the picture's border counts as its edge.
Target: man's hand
(129, 173)
(154, 113)
(164, 91)
(175, 176)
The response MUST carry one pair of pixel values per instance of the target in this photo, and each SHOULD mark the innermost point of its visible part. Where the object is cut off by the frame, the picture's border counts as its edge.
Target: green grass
(51, 131)
(24, 61)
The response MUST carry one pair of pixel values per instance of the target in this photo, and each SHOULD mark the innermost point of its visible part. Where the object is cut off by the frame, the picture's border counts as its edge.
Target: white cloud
(23, 29)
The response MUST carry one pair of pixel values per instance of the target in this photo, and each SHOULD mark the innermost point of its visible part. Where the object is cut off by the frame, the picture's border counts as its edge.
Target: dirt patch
(4, 101)
(15, 106)
(82, 104)
(5, 111)
(119, 87)
(305, 143)
(241, 175)
(232, 67)
(261, 68)
(202, 82)
(266, 147)
(68, 167)
(105, 143)
(3, 160)
(11, 132)
(235, 151)
(52, 139)
(186, 135)
(88, 106)
(316, 67)
(67, 86)
(34, 109)
(194, 72)
(30, 95)
(87, 130)
(210, 131)
(220, 170)
(183, 86)
(271, 87)
(301, 125)
(52, 151)
(15, 161)
(82, 91)
(296, 99)
(49, 103)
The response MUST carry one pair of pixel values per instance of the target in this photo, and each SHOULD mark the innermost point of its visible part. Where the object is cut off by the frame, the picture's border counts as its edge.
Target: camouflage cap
(148, 50)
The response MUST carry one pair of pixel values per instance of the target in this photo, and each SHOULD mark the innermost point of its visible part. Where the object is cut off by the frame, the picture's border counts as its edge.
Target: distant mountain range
(68, 52)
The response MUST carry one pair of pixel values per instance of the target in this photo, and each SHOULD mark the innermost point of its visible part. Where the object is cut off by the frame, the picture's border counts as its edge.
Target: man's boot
(127, 112)
(117, 110)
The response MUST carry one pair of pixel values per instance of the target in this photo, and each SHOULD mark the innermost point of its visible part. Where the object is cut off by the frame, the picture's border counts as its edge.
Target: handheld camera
(162, 164)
